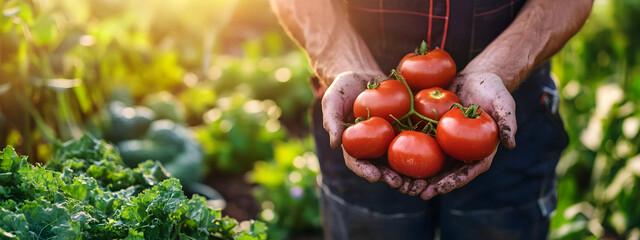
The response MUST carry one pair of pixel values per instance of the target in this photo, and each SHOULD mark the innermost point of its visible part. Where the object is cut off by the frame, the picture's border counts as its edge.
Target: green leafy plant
(139, 136)
(287, 190)
(239, 132)
(62, 58)
(265, 71)
(599, 77)
(86, 192)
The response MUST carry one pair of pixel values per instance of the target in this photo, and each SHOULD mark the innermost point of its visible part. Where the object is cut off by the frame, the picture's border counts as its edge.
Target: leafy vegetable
(239, 132)
(86, 192)
(287, 190)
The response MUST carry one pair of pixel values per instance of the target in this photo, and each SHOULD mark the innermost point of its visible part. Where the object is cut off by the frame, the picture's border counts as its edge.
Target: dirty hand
(487, 91)
(337, 106)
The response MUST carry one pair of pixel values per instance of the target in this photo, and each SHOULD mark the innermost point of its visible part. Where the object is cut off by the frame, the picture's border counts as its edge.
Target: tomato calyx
(436, 94)
(423, 50)
(359, 119)
(466, 138)
(471, 112)
(373, 84)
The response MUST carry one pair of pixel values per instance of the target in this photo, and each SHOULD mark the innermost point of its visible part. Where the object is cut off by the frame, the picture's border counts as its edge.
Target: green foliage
(86, 192)
(3, 129)
(239, 132)
(166, 106)
(123, 122)
(256, 95)
(75, 66)
(140, 137)
(99, 160)
(64, 59)
(287, 190)
(599, 72)
(265, 72)
(60, 59)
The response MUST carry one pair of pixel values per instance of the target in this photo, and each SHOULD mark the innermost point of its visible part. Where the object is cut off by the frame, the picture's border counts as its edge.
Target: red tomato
(412, 54)
(434, 69)
(390, 97)
(431, 99)
(467, 139)
(368, 138)
(415, 154)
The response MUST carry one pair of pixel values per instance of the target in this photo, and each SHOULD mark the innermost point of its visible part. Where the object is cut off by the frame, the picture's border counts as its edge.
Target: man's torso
(393, 28)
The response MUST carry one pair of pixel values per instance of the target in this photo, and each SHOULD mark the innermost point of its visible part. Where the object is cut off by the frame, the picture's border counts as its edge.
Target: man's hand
(455, 174)
(337, 105)
(533, 37)
(483, 89)
(378, 170)
(337, 102)
(487, 91)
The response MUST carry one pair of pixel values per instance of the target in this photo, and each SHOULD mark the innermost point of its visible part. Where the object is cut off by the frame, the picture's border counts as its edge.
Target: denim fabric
(513, 200)
(345, 220)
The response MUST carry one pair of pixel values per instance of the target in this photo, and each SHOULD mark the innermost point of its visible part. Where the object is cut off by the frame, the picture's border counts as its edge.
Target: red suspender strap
(429, 31)
(446, 27)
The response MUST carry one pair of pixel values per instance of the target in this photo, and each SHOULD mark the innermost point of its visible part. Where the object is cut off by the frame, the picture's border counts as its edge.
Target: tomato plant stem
(429, 129)
(412, 111)
(404, 126)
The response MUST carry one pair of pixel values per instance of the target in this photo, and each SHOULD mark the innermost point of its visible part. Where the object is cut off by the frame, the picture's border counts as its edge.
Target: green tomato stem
(425, 118)
(423, 48)
(430, 130)
(412, 111)
(373, 85)
(400, 123)
(472, 111)
(359, 119)
(425, 128)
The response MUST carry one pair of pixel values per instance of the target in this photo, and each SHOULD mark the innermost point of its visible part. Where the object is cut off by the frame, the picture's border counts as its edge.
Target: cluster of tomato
(415, 132)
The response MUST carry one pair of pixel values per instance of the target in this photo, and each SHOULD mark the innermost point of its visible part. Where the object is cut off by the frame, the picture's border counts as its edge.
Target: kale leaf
(86, 192)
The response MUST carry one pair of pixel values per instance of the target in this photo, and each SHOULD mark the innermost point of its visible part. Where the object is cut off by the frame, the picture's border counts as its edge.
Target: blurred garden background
(217, 92)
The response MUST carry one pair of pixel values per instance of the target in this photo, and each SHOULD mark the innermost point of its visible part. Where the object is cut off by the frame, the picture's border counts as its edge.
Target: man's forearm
(539, 31)
(322, 29)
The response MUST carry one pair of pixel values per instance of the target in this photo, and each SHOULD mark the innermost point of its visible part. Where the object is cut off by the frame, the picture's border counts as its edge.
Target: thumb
(337, 104)
(333, 112)
(504, 112)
